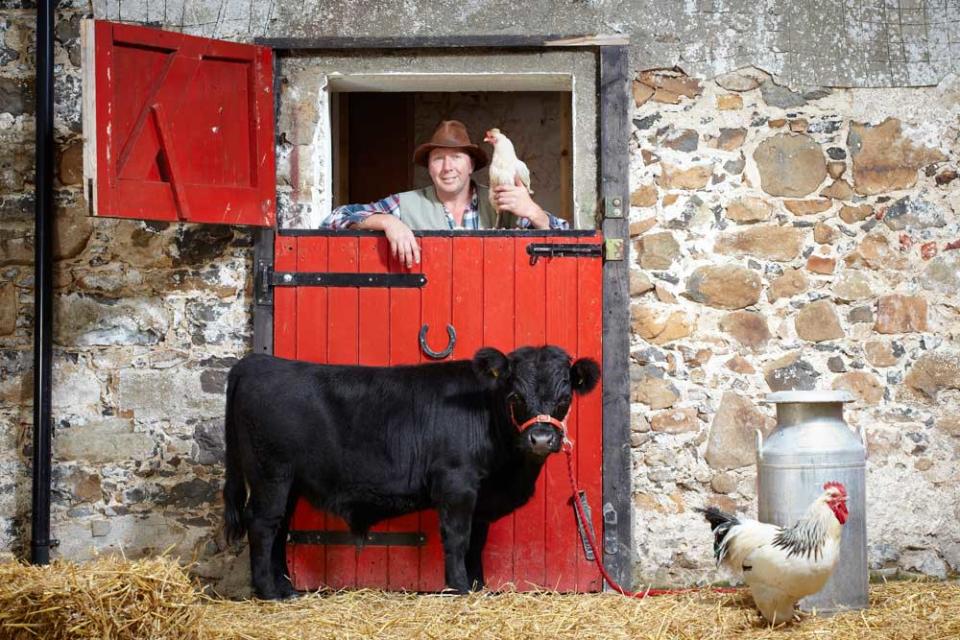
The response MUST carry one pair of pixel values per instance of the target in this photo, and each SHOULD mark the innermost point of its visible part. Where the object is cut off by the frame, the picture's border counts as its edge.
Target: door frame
(611, 54)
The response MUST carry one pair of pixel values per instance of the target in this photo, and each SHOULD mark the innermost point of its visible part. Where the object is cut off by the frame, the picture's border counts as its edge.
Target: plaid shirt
(348, 215)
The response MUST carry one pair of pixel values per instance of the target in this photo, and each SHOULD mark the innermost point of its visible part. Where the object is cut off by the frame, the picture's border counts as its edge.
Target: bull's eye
(516, 402)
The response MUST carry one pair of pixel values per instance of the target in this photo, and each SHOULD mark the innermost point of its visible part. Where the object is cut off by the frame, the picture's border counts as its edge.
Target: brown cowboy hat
(451, 134)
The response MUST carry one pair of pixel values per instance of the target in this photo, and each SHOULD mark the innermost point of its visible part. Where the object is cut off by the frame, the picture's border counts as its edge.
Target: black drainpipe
(40, 542)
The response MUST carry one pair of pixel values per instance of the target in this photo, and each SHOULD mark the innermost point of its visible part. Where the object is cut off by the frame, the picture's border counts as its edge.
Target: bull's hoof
(280, 593)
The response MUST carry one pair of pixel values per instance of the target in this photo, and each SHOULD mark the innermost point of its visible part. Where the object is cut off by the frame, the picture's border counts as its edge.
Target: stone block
(151, 394)
(747, 327)
(657, 250)
(660, 326)
(92, 321)
(901, 314)
(106, 441)
(807, 207)
(690, 178)
(8, 309)
(724, 287)
(934, 372)
(790, 373)
(675, 421)
(732, 439)
(749, 209)
(792, 282)
(883, 159)
(781, 244)
(790, 165)
(644, 196)
(818, 322)
(864, 386)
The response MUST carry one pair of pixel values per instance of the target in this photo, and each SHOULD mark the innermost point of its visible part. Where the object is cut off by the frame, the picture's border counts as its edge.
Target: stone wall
(782, 240)
(793, 241)
(148, 318)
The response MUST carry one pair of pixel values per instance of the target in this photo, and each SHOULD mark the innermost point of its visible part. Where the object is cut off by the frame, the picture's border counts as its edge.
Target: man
(454, 201)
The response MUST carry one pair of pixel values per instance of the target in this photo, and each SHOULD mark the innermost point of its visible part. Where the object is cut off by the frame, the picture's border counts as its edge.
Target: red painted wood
(436, 313)
(467, 292)
(560, 535)
(211, 99)
(342, 348)
(309, 561)
(403, 563)
(589, 445)
(488, 290)
(285, 300)
(529, 312)
(498, 332)
(374, 346)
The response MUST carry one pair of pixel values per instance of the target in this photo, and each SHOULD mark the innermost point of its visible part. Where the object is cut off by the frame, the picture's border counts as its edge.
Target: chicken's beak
(488, 137)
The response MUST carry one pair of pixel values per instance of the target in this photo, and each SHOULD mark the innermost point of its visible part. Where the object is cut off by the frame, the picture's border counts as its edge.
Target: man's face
(450, 170)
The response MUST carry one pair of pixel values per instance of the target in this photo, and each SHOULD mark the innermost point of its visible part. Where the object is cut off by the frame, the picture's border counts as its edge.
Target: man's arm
(382, 215)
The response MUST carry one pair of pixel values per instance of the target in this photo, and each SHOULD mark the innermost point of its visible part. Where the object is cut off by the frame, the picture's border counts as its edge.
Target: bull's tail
(235, 488)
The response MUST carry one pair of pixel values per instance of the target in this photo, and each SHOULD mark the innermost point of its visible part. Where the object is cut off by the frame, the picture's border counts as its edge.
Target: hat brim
(480, 158)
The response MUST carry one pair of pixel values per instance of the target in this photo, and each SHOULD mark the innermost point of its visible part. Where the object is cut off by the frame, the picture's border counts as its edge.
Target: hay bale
(108, 598)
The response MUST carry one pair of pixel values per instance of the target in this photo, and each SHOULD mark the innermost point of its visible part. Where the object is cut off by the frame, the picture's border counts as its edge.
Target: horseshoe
(438, 355)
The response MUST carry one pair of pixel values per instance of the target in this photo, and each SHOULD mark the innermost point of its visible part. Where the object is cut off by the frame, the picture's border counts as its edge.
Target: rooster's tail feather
(720, 524)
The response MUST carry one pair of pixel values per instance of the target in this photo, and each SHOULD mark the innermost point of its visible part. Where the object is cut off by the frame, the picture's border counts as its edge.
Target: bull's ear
(584, 375)
(492, 366)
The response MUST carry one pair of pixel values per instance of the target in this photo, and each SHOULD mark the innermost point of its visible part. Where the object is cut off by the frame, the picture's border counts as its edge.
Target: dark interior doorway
(375, 134)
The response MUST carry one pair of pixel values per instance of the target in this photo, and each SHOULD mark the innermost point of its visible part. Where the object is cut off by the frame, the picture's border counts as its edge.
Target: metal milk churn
(810, 445)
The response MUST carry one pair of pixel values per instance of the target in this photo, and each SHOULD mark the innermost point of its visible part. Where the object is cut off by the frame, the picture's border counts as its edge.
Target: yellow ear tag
(496, 374)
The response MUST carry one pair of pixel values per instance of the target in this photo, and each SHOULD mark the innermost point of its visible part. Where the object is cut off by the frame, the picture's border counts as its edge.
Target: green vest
(422, 211)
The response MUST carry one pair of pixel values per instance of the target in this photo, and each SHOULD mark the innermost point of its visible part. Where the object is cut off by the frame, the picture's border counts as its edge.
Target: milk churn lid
(810, 396)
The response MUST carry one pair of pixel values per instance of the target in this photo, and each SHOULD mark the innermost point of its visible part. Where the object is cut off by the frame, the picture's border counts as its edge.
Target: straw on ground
(154, 598)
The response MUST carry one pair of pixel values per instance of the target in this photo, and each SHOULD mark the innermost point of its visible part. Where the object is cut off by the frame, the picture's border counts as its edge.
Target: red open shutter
(177, 127)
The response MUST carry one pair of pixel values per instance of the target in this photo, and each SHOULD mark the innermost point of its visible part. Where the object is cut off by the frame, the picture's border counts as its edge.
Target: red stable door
(489, 291)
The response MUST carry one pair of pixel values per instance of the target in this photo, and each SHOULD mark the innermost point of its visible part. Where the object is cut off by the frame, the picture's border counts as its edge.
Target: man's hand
(516, 199)
(403, 244)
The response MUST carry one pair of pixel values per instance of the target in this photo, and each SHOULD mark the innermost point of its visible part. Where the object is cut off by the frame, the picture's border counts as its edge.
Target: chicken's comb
(836, 485)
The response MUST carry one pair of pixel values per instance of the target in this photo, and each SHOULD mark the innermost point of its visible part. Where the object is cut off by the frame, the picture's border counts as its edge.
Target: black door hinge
(265, 279)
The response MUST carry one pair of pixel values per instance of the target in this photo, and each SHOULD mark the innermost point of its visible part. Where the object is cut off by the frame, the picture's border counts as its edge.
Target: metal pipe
(43, 288)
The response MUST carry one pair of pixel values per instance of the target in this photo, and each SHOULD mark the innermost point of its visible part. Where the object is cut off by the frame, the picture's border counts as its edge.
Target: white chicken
(782, 565)
(505, 167)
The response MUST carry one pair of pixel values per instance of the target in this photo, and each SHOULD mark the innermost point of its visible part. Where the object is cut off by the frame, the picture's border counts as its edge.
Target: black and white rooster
(782, 565)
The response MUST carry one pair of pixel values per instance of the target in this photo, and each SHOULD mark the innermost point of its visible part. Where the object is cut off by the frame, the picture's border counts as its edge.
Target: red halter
(544, 418)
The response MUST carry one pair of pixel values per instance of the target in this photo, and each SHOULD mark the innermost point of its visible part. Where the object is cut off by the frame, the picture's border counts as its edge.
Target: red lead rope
(597, 551)
(587, 528)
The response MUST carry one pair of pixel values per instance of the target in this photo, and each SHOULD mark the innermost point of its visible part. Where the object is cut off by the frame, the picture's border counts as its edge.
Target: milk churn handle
(759, 445)
(863, 440)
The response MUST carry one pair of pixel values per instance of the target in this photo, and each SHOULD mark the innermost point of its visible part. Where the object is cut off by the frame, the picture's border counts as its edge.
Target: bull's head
(534, 387)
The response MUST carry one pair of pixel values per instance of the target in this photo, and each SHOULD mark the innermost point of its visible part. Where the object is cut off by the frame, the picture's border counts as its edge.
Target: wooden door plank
(467, 288)
(374, 350)
(342, 348)
(436, 313)
(403, 563)
(311, 345)
(589, 448)
(498, 332)
(561, 533)
(529, 312)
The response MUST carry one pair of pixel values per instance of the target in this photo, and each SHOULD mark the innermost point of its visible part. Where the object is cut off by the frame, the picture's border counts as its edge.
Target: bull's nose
(543, 442)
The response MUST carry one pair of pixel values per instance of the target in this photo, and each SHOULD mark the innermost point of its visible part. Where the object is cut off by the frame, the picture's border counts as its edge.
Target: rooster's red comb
(836, 485)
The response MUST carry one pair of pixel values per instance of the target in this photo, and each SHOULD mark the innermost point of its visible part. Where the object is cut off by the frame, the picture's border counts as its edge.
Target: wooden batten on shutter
(177, 127)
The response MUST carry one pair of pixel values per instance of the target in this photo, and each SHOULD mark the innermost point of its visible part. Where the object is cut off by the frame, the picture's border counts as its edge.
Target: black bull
(370, 443)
